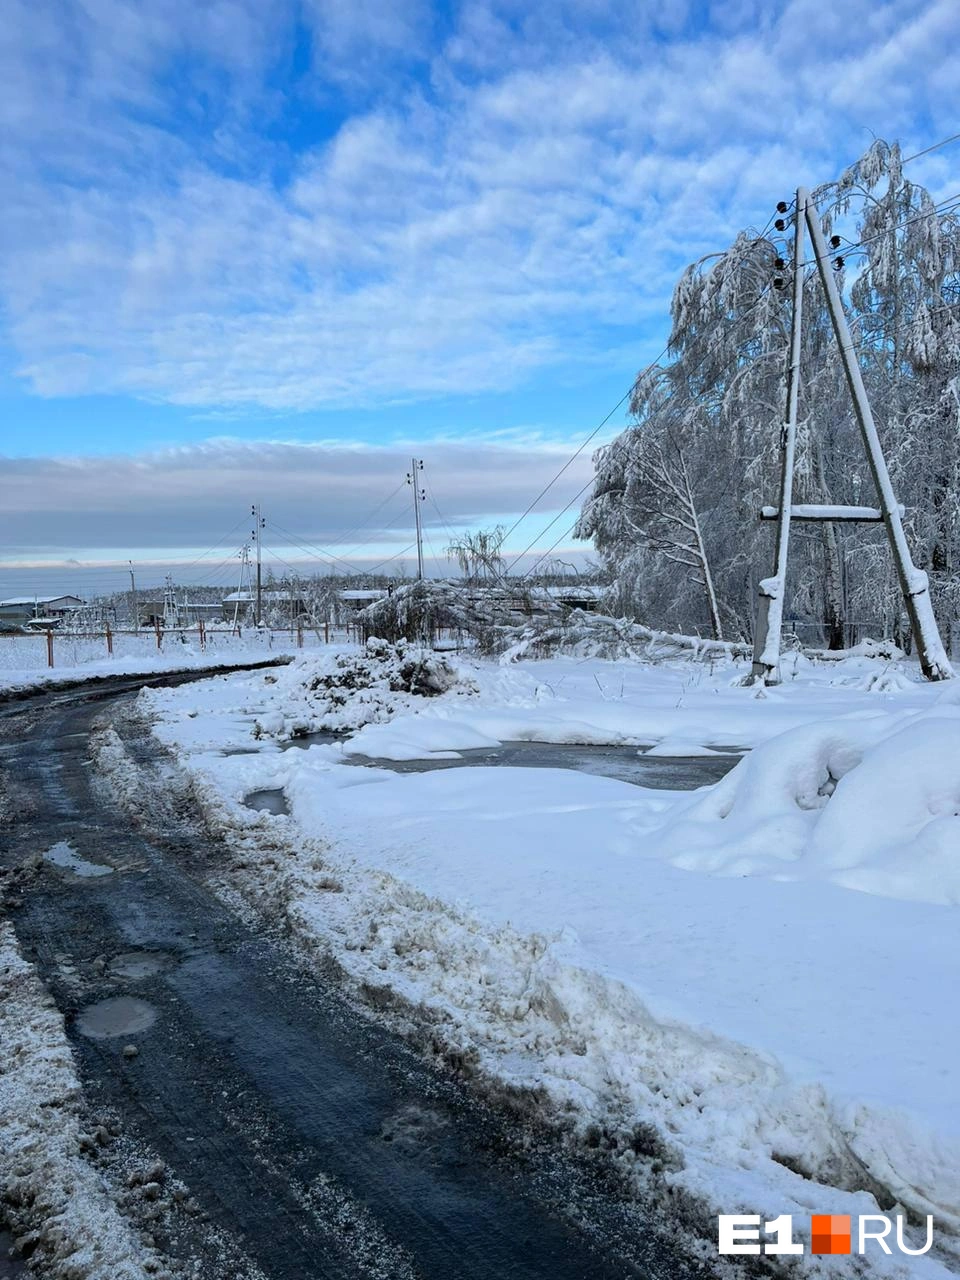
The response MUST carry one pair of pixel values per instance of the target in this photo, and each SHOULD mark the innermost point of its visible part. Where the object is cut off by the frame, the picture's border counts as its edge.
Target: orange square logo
(830, 1233)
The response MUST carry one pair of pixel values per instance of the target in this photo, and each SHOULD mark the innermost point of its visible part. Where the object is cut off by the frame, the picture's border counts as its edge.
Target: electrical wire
(849, 246)
(936, 147)
(310, 548)
(753, 306)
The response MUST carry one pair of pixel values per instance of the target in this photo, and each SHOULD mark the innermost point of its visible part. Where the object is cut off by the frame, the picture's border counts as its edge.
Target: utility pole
(244, 551)
(134, 609)
(171, 617)
(914, 583)
(259, 522)
(419, 496)
(766, 653)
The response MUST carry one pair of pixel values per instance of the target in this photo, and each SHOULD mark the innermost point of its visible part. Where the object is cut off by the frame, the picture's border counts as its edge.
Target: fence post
(326, 633)
(49, 648)
(299, 636)
(109, 640)
(156, 625)
(203, 633)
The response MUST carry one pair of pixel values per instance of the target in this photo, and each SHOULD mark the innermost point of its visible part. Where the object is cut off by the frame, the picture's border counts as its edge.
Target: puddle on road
(626, 763)
(118, 1016)
(267, 802)
(67, 859)
(134, 965)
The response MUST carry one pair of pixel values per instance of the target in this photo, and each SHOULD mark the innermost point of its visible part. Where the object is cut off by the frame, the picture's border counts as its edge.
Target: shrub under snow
(871, 804)
(348, 690)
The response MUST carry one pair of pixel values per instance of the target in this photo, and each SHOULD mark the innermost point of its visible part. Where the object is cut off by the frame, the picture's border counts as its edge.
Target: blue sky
(362, 228)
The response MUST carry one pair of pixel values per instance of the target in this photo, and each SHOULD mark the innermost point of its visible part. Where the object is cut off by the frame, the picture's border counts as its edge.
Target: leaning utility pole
(419, 495)
(259, 522)
(914, 583)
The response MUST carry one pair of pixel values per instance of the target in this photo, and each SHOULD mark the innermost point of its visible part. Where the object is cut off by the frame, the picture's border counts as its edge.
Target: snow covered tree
(714, 410)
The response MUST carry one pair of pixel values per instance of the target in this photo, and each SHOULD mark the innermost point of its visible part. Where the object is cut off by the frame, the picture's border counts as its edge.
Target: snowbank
(872, 805)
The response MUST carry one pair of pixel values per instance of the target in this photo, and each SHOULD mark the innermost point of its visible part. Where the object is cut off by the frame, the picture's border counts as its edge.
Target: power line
(215, 546)
(936, 147)
(357, 527)
(390, 560)
(310, 548)
(946, 205)
(753, 306)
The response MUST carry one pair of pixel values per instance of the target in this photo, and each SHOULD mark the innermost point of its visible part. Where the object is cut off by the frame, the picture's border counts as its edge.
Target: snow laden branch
(674, 511)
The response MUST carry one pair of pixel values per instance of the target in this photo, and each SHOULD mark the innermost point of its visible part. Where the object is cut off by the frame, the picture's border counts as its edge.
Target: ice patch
(64, 856)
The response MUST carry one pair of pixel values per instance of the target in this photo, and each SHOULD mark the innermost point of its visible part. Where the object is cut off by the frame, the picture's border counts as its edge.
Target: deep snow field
(746, 992)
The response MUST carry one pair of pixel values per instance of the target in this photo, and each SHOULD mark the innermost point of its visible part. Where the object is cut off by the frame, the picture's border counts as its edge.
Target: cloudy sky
(265, 250)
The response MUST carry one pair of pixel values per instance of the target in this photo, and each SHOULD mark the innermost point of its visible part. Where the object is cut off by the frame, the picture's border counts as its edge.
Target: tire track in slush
(317, 1139)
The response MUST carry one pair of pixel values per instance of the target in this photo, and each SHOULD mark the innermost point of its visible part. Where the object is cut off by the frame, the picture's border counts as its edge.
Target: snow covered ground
(23, 658)
(745, 992)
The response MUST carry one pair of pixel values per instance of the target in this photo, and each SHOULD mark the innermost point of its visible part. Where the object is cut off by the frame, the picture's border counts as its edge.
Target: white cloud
(454, 237)
(189, 496)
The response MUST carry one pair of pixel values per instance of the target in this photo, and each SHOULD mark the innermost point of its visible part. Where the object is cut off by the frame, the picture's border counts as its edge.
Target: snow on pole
(766, 654)
(913, 581)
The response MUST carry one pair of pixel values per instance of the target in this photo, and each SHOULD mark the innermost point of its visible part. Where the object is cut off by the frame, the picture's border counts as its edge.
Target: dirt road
(314, 1139)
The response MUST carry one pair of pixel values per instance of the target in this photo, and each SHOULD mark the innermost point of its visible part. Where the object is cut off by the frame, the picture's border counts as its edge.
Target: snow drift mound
(869, 804)
(345, 691)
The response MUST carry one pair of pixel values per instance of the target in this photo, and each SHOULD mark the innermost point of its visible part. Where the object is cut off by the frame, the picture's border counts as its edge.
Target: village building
(35, 612)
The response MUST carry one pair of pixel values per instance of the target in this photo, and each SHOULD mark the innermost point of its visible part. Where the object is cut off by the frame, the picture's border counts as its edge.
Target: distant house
(241, 604)
(179, 613)
(353, 601)
(37, 611)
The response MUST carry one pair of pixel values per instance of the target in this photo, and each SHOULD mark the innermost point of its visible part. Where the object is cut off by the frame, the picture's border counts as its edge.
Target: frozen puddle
(322, 738)
(628, 764)
(267, 802)
(67, 858)
(118, 1016)
(131, 966)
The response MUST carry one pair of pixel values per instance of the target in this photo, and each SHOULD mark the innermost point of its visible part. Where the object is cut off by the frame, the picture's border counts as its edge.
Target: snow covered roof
(35, 600)
(248, 597)
(373, 594)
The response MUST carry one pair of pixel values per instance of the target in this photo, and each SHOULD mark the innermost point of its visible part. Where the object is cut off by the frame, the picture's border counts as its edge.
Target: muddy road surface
(311, 1138)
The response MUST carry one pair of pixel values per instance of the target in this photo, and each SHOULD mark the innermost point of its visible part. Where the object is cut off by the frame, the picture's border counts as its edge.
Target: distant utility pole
(259, 522)
(913, 581)
(171, 613)
(134, 609)
(419, 496)
(244, 552)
